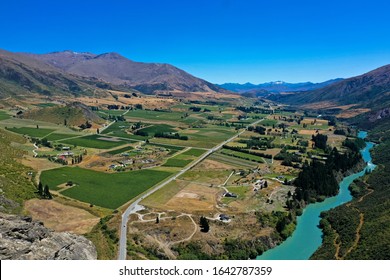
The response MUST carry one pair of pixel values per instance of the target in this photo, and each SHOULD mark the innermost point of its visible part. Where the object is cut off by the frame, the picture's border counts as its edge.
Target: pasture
(4, 116)
(95, 141)
(31, 131)
(102, 189)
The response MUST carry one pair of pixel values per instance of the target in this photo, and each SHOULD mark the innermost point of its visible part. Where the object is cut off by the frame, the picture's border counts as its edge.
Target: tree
(65, 122)
(46, 192)
(204, 224)
(40, 189)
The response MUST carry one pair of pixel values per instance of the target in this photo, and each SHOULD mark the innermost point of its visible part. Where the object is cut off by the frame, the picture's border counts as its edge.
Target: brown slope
(21, 75)
(371, 90)
(116, 69)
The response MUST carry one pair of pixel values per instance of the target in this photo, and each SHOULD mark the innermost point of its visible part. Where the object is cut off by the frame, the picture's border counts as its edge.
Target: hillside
(116, 69)
(367, 218)
(276, 87)
(370, 90)
(74, 114)
(21, 75)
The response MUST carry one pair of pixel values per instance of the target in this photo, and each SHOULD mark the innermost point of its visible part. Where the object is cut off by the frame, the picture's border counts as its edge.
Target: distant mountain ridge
(118, 70)
(370, 90)
(277, 86)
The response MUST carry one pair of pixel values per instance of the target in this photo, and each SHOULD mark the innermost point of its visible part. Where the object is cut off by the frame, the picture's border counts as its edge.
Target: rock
(25, 239)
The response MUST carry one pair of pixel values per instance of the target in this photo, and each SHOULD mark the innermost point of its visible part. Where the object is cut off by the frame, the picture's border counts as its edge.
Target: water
(307, 237)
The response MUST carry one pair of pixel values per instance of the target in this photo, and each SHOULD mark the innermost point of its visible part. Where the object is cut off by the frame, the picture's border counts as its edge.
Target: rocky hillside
(24, 239)
(116, 69)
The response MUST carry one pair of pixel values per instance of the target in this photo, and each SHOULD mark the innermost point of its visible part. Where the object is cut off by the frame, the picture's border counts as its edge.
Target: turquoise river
(307, 237)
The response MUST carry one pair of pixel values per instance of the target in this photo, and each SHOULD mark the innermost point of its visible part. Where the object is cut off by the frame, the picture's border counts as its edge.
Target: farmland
(102, 189)
(95, 141)
(31, 131)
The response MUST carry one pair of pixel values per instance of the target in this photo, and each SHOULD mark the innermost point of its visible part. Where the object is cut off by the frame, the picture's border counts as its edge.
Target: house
(224, 218)
(229, 194)
(65, 148)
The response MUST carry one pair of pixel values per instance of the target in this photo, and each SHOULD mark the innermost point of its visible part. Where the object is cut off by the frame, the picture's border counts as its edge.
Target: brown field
(61, 217)
(318, 122)
(307, 131)
(194, 198)
(352, 113)
(209, 164)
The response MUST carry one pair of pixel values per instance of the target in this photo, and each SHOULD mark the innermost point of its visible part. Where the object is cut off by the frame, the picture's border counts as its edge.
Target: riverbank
(307, 236)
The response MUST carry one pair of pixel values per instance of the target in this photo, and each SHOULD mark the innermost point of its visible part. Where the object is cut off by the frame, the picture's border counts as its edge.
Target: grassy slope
(14, 182)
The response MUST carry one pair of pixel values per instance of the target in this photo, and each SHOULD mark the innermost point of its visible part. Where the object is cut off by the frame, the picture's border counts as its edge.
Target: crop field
(59, 136)
(269, 122)
(242, 155)
(174, 162)
(241, 163)
(207, 137)
(32, 131)
(155, 128)
(95, 141)
(194, 152)
(102, 189)
(120, 150)
(155, 115)
(4, 116)
(45, 105)
(116, 126)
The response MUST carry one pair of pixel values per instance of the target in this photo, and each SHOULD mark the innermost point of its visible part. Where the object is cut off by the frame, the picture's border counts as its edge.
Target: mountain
(21, 75)
(276, 87)
(370, 90)
(116, 69)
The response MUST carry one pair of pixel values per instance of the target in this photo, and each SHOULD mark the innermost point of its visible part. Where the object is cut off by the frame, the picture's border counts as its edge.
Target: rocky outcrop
(21, 238)
(379, 114)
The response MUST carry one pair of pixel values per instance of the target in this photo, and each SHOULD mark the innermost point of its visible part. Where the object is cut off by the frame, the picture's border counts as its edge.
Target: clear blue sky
(220, 40)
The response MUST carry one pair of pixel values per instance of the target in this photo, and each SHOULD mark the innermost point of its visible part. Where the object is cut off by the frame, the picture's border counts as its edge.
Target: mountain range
(369, 90)
(276, 87)
(72, 73)
(116, 69)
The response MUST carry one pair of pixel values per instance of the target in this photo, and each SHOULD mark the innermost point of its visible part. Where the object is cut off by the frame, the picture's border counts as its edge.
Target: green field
(242, 155)
(32, 131)
(59, 136)
(93, 141)
(4, 116)
(172, 149)
(155, 115)
(120, 150)
(174, 162)
(113, 112)
(206, 137)
(268, 122)
(116, 126)
(45, 105)
(102, 189)
(155, 128)
(194, 152)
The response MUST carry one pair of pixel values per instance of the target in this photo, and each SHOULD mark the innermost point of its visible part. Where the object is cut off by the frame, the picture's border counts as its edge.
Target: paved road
(134, 207)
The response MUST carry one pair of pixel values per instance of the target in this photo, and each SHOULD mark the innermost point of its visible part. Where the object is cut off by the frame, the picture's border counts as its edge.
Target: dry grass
(194, 198)
(61, 217)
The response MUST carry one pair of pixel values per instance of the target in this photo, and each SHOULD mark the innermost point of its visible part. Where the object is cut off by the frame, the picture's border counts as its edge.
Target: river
(307, 237)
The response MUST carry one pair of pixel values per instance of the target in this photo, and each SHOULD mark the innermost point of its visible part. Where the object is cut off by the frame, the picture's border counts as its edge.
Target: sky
(217, 40)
